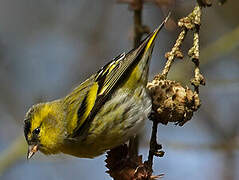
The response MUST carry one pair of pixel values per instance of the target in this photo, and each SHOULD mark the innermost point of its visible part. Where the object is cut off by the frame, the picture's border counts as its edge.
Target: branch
(171, 102)
(174, 53)
(219, 48)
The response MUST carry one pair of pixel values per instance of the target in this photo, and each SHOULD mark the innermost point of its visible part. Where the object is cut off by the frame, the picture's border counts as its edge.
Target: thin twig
(154, 146)
(174, 53)
(193, 53)
(209, 54)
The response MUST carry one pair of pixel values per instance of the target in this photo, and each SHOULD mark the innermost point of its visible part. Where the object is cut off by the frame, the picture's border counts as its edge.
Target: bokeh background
(47, 47)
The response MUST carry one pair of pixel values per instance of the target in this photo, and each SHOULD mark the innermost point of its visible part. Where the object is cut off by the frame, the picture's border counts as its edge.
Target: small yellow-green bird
(101, 113)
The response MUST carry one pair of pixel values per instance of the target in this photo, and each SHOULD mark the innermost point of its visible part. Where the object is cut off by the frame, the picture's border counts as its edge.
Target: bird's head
(43, 128)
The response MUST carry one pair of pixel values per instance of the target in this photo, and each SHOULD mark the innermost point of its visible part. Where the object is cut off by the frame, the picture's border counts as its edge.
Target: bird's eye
(36, 131)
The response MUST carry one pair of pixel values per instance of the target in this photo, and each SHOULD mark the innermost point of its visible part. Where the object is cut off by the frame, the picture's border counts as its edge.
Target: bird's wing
(93, 94)
(96, 92)
(104, 81)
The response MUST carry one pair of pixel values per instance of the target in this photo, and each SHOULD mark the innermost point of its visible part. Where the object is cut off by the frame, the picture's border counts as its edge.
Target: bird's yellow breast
(119, 119)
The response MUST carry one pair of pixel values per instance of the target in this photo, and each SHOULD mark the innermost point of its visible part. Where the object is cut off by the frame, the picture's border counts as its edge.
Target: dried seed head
(121, 166)
(172, 102)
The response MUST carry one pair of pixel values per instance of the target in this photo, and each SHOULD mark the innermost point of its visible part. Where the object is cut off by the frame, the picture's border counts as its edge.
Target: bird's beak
(32, 149)
(151, 38)
(148, 43)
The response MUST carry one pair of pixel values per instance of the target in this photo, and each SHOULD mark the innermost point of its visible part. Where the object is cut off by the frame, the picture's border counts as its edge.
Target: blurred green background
(47, 47)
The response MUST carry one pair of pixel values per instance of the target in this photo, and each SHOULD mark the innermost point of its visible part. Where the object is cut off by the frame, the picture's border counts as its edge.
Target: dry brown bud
(179, 54)
(167, 54)
(186, 22)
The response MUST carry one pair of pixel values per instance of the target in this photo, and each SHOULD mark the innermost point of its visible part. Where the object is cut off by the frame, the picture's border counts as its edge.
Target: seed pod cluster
(171, 102)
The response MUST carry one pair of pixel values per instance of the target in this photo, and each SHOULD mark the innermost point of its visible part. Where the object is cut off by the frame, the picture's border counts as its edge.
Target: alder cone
(123, 167)
(171, 102)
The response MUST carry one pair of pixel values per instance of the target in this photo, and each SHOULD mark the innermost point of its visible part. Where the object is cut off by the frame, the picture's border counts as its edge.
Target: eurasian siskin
(101, 113)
